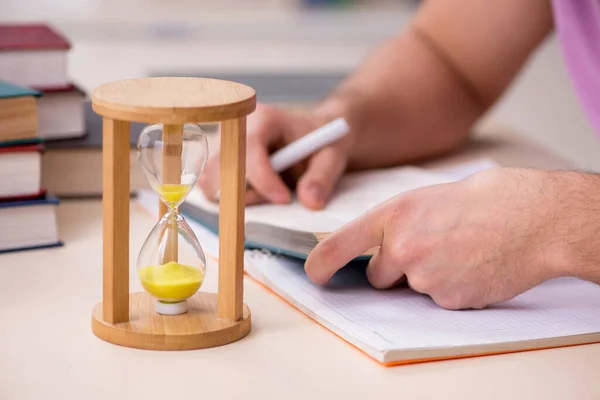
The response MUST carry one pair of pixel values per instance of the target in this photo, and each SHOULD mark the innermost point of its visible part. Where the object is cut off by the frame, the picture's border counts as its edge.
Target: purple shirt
(577, 24)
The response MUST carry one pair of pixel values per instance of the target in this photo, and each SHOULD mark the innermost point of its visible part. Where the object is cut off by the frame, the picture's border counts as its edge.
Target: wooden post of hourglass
(171, 173)
(213, 319)
(115, 220)
(231, 218)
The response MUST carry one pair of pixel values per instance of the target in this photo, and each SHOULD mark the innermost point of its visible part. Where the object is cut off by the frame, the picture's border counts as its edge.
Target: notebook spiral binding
(251, 255)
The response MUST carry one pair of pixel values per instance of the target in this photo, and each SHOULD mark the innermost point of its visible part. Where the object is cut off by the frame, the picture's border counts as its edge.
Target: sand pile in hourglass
(171, 263)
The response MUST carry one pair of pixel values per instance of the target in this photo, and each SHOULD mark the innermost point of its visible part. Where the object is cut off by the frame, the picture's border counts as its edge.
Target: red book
(33, 55)
(31, 37)
(22, 148)
(26, 197)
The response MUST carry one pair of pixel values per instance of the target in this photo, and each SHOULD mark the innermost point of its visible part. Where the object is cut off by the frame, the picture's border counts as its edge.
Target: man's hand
(268, 129)
(476, 242)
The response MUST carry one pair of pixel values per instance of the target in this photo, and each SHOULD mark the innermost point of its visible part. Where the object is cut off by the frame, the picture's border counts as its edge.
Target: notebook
(399, 326)
(294, 230)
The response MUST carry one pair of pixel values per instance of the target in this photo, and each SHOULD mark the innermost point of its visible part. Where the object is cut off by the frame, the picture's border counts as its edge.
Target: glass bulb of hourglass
(172, 162)
(171, 263)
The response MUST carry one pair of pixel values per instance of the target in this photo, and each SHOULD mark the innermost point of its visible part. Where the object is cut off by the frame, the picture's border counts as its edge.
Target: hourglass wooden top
(173, 100)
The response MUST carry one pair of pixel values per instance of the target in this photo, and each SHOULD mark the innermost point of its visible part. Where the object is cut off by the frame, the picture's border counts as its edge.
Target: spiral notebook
(400, 326)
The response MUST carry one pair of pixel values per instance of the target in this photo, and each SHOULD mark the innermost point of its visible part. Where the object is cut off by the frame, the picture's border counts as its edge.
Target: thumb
(324, 170)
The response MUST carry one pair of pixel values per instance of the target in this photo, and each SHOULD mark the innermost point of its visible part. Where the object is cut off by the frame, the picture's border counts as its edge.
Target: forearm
(418, 94)
(403, 104)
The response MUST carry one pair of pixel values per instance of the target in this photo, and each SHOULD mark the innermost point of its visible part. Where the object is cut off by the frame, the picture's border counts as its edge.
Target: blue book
(21, 142)
(9, 90)
(27, 224)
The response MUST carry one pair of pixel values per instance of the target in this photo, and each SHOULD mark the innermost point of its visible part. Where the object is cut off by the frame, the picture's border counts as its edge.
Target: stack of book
(35, 56)
(38, 103)
(27, 212)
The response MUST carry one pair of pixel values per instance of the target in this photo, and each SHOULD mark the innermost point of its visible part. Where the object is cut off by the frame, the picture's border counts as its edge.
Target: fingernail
(317, 192)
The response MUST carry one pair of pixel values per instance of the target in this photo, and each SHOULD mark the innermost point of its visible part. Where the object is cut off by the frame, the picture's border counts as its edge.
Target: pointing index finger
(345, 244)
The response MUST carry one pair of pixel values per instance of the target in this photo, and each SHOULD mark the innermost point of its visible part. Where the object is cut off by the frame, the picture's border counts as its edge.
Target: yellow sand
(171, 281)
(173, 193)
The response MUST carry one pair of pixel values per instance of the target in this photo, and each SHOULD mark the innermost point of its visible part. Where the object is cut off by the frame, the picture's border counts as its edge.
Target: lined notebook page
(403, 319)
(354, 194)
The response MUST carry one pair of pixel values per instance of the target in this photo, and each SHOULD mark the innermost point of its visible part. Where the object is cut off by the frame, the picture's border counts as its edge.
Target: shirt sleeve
(577, 25)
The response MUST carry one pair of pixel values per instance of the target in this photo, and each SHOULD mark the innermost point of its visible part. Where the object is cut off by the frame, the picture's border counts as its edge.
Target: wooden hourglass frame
(130, 319)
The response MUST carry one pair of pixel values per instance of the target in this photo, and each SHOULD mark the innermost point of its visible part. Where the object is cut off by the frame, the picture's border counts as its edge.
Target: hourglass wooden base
(199, 328)
(214, 319)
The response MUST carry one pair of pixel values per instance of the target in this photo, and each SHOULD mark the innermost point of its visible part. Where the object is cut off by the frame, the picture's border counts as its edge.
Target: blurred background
(297, 49)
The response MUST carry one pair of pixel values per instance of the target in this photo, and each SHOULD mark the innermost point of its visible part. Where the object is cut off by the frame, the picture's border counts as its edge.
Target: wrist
(576, 226)
(348, 104)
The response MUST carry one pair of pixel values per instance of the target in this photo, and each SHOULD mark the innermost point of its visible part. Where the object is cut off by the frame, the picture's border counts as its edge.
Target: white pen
(306, 145)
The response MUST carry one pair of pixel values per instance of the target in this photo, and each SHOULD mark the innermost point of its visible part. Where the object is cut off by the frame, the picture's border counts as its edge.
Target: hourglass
(171, 264)
(172, 312)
